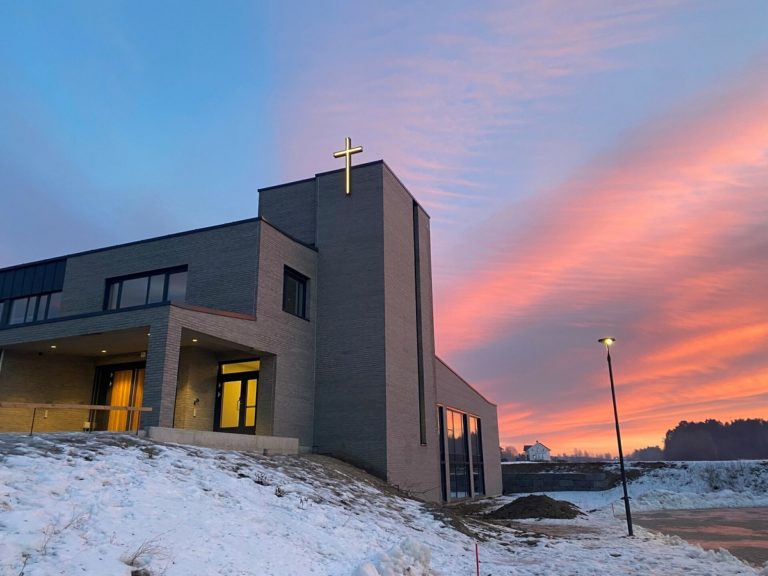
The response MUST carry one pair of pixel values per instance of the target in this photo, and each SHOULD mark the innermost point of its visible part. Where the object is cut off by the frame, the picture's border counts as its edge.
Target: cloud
(432, 92)
(680, 190)
(660, 240)
(665, 241)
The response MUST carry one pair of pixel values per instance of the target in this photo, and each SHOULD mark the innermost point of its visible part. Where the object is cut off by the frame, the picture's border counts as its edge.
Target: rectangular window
(54, 305)
(42, 307)
(441, 436)
(458, 453)
(476, 443)
(150, 288)
(134, 292)
(18, 311)
(156, 289)
(31, 308)
(461, 454)
(177, 287)
(295, 293)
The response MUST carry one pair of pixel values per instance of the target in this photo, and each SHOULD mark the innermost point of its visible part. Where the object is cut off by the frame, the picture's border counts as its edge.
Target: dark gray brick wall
(292, 208)
(222, 266)
(515, 482)
(350, 416)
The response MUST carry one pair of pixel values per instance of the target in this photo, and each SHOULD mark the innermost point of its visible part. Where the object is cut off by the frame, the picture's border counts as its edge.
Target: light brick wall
(198, 373)
(410, 465)
(288, 377)
(454, 392)
(29, 377)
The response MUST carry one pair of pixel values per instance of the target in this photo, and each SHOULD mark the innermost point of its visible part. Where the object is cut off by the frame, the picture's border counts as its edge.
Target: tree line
(711, 440)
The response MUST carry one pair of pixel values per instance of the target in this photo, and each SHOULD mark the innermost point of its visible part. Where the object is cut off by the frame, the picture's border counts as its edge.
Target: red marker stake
(477, 559)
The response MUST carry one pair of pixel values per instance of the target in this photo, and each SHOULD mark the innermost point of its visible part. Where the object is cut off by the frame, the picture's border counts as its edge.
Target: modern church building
(312, 322)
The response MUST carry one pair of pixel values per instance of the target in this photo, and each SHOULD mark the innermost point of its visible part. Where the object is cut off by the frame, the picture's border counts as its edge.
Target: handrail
(73, 406)
(48, 405)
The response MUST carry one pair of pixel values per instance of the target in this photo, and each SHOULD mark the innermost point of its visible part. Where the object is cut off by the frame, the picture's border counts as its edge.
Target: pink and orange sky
(591, 169)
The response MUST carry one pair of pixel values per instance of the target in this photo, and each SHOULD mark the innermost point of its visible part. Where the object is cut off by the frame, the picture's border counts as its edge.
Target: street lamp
(607, 343)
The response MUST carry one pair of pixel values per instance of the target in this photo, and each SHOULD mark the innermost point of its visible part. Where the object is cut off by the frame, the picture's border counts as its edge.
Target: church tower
(375, 398)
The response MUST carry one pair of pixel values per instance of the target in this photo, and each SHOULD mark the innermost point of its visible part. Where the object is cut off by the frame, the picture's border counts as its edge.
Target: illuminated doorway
(236, 394)
(119, 385)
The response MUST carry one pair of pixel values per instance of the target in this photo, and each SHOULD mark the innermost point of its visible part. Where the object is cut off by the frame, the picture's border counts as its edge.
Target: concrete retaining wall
(223, 441)
(548, 478)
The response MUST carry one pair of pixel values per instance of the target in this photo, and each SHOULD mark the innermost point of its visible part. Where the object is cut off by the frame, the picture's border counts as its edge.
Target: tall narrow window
(54, 305)
(461, 454)
(476, 443)
(295, 292)
(419, 326)
(177, 286)
(441, 440)
(458, 454)
(18, 311)
(156, 289)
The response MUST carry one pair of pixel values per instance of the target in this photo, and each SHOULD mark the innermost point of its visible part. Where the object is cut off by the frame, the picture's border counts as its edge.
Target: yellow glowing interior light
(230, 404)
(607, 341)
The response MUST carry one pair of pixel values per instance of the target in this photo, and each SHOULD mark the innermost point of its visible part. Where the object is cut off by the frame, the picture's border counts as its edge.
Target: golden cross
(348, 151)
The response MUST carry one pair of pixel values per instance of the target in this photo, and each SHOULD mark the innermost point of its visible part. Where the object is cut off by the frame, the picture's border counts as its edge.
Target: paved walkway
(741, 531)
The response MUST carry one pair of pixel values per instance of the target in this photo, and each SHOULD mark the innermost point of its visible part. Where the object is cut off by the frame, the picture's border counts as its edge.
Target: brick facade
(356, 378)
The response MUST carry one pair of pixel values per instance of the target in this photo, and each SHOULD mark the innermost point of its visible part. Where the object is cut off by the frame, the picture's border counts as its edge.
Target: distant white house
(536, 452)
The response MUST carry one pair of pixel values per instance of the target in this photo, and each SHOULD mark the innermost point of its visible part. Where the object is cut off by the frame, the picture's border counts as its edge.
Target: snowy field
(102, 504)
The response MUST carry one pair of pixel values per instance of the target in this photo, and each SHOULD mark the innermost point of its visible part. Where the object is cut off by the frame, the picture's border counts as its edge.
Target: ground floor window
(461, 454)
(121, 385)
(236, 395)
(476, 443)
(458, 453)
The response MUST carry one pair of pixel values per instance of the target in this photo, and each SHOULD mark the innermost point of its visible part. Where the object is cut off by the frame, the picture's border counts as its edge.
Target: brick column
(161, 374)
(265, 402)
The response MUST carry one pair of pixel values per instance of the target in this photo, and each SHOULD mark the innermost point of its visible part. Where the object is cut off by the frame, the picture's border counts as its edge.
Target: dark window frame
(462, 467)
(118, 281)
(39, 311)
(459, 464)
(476, 447)
(301, 295)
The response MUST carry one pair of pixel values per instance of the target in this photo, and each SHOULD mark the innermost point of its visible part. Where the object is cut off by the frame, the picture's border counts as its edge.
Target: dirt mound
(536, 507)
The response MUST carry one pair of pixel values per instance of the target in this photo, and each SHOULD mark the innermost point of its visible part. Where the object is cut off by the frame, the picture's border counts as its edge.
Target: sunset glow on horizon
(590, 170)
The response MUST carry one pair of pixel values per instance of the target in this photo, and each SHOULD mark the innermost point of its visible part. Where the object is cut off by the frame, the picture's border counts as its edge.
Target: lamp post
(607, 343)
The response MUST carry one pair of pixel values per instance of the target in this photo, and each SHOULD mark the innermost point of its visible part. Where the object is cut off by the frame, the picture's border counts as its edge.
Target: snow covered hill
(104, 504)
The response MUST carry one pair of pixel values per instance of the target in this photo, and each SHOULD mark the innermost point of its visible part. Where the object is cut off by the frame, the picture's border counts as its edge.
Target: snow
(110, 504)
(684, 485)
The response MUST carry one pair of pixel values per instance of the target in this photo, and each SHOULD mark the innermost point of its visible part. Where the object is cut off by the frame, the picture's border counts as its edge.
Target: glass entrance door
(118, 385)
(236, 403)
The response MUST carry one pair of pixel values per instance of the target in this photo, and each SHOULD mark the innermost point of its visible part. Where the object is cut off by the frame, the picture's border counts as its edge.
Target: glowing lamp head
(607, 342)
